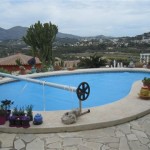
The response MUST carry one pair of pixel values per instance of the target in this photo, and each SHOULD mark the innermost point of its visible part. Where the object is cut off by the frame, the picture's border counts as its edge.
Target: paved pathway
(134, 135)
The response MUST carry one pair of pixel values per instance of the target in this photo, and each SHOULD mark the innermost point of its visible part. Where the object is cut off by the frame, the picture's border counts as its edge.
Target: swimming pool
(106, 87)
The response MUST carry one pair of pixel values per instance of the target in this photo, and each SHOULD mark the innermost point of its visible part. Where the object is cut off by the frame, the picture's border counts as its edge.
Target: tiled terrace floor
(134, 135)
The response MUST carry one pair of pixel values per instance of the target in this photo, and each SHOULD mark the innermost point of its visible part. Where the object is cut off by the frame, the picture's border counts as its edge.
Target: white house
(145, 58)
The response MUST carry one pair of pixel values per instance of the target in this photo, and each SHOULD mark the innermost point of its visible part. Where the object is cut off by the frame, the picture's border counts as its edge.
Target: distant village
(17, 49)
(110, 42)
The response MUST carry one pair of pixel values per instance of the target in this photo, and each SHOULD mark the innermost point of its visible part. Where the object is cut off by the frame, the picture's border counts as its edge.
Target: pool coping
(129, 108)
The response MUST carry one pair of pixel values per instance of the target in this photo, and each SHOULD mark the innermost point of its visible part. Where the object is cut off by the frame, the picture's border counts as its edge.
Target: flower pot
(12, 121)
(38, 119)
(18, 122)
(144, 93)
(2, 119)
(25, 121)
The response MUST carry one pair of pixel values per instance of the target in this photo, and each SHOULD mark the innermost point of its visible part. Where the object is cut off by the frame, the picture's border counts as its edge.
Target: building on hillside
(145, 58)
(66, 63)
(71, 64)
(9, 63)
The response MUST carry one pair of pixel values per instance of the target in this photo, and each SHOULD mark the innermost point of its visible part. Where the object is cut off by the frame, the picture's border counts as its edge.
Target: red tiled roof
(11, 60)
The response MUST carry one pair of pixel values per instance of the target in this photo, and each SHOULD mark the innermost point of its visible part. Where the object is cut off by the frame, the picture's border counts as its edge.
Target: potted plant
(146, 82)
(2, 115)
(16, 118)
(29, 111)
(21, 112)
(6, 104)
(25, 121)
(12, 121)
(20, 115)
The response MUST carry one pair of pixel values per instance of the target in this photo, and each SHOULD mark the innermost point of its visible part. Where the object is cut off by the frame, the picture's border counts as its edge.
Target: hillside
(12, 33)
(18, 32)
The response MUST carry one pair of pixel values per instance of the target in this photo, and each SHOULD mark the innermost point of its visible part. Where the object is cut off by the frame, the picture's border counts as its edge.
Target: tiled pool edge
(127, 109)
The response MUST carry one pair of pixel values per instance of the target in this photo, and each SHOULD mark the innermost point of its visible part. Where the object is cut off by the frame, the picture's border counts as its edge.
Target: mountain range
(18, 32)
(12, 33)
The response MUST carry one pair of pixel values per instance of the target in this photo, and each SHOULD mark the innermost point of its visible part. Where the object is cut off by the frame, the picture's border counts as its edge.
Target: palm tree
(92, 62)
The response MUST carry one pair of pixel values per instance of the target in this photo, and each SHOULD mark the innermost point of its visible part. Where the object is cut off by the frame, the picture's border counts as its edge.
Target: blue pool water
(105, 88)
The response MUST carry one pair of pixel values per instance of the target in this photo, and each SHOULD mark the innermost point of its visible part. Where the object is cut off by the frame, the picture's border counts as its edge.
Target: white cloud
(89, 17)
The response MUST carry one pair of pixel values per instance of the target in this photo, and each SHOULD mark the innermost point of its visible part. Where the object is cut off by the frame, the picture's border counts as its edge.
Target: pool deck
(129, 108)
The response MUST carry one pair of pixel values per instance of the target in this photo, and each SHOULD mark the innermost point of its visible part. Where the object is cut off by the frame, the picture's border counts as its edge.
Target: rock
(69, 118)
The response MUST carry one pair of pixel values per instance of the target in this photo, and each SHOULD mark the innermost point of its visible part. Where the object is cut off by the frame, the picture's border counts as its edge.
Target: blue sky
(80, 17)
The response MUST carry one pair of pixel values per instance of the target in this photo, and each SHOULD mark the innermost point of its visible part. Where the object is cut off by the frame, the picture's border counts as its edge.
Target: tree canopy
(41, 37)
